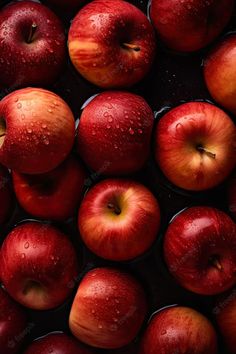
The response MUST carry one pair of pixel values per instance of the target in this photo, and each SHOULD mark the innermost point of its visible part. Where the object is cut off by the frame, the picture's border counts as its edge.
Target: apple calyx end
(33, 29)
(129, 46)
(114, 208)
(203, 150)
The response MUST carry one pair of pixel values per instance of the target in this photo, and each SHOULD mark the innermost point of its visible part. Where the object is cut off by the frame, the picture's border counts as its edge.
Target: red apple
(220, 71)
(114, 217)
(38, 264)
(225, 311)
(37, 130)
(111, 43)
(5, 194)
(12, 324)
(32, 45)
(195, 145)
(54, 195)
(114, 133)
(179, 330)
(108, 310)
(189, 25)
(232, 196)
(57, 343)
(200, 250)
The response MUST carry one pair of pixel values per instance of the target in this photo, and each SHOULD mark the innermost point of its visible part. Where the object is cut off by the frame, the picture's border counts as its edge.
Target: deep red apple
(32, 45)
(200, 250)
(189, 25)
(108, 310)
(12, 324)
(5, 194)
(37, 130)
(57, 343)
(195, 145)
(220, 71)
(54, 195)
(179, 330)
(232, 195)
(225, 311)
(38, 265)
(114, 217)
(111, 43)
(114, 133)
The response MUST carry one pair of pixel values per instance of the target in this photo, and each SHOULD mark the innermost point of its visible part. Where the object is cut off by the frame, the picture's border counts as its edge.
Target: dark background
(174, 79)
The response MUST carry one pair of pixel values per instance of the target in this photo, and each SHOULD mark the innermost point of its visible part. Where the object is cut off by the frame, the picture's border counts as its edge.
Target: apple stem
(32, 32)
(131, 46)
(114, 208)
(207, 152)
(216, 263)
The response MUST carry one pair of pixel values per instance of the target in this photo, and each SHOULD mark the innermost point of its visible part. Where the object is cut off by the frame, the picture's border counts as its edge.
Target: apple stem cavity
(2, 130)
(205, 151)
(134, 47)
(114, 208)
(33, 29)
(216, 263)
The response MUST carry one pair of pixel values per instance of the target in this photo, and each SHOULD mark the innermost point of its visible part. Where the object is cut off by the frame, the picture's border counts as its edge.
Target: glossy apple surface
(111, 43)
(179, 330)
(114, 133)
(232, 196)
(13, 324)
(108, 310)
(189, 25)
(200, 250)
(5, 194)
(195, 145)
(114, 217)
(220, 71)
(38, 265)
(54, 195)
(32, 45)
(226, 318)
(57, 343)
(37, 130)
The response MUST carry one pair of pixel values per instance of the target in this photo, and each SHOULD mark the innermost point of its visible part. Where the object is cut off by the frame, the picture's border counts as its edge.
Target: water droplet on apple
(52, 258)
(131, 131)
(163, 332)
(117, 301)
(19, 105)
(46, 142)
(94, 65)
(140, 131)
(108, 126)
(93, 311)
(115, 146)
(26, 245)
(110, 119)
(23, 256)
(44, 126)
(16, 99)
(49, 110)
(179, 127)
(100, 326)
(29, 131)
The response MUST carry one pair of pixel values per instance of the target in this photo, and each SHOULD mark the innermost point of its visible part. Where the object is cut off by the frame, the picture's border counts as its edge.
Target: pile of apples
(56, 169)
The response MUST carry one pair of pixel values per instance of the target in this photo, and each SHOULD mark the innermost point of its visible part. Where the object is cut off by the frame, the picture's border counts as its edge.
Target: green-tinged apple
(111, 43)
(37, 130)
(54, 195)
(108, 309)
(179, 330)
(38, 265)
(57, 343)
(220, 71)
(225, 311)
(5, 194)
(200, 250)
(13, 323)
(195, 145)
(32, 45)
(189, 25)
(114, 133)
(119, 219)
